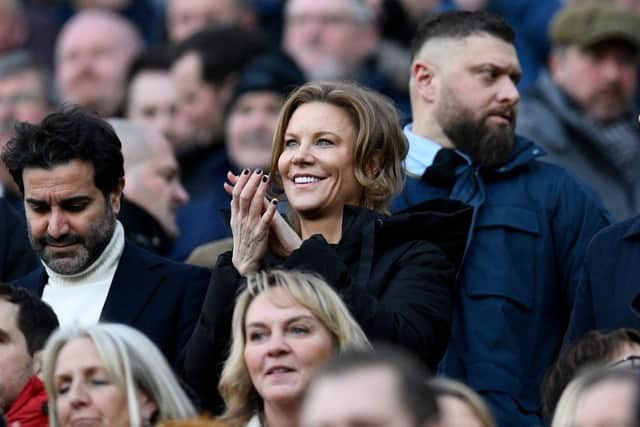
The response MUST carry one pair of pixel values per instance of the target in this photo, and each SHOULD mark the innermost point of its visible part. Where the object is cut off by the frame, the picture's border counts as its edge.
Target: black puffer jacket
(396, 274)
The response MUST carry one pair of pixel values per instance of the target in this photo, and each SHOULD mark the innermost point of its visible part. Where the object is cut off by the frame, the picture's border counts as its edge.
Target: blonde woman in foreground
(286, 325)
(109, 374)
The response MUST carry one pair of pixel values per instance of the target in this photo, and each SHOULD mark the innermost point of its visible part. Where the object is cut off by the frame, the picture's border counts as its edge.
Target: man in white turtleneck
(69, 169)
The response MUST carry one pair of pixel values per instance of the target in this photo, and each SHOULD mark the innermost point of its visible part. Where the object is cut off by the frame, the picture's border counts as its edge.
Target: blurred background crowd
(194, 90)
(210, 75)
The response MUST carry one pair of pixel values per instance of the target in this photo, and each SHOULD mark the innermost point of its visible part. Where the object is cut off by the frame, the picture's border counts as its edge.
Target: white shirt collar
(421, 153)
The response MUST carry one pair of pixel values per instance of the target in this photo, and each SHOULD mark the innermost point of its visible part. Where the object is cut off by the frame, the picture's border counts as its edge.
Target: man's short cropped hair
(36, 319)
(71, 133)
(460, 24)
(156, 58)
(417, 396)
(223, 51)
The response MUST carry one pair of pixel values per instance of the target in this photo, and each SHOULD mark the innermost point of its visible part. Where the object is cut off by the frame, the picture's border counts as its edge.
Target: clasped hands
(256, 224)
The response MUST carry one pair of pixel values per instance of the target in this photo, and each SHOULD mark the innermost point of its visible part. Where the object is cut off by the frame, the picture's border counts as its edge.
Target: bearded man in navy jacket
(532, 221)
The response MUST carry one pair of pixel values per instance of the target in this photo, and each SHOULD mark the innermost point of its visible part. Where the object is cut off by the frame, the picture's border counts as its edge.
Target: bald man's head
(151, 173)
(93, 53)
(139, 143)
(14, 29)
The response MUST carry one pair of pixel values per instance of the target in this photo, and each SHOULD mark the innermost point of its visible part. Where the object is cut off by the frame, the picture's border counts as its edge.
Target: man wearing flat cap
(581, 111)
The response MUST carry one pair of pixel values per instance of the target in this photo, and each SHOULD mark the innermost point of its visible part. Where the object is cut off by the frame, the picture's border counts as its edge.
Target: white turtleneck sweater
(79, 298)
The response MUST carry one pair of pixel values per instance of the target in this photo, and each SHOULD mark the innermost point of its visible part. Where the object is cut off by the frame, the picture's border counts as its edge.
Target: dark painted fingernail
(258, 171)
(246, 172)
(265, 178)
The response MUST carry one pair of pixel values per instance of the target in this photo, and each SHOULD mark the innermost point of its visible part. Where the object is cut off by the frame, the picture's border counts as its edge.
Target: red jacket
(30, 408)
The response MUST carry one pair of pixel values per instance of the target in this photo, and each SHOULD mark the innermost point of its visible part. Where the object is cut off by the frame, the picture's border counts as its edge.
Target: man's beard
(90, 246)
(252, 150)
(323, 66)
(488, 146)
(602, 109)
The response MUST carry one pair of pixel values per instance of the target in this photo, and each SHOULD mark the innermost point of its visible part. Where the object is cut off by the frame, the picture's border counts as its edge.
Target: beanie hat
(273, 72)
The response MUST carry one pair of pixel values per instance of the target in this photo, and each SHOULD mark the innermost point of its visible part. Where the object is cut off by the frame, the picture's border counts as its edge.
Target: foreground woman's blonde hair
(444, 387)
(131, 361)
(308, 290)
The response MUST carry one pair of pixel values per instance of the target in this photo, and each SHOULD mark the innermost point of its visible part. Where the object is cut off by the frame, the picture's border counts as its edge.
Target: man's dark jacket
(157, 296)
(141, 228)
(532, 223)
(16, 256)
(610, 281)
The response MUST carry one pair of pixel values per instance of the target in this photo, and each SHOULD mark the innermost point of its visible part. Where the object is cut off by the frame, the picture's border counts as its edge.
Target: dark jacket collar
(524, 152)
(634, 230)
(442, 222)
(133, 284)
(143, 229)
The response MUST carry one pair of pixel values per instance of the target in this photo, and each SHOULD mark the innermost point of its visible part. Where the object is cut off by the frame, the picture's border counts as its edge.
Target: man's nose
(180, 193)
(611, 69)
(58, 225)
(508, 91)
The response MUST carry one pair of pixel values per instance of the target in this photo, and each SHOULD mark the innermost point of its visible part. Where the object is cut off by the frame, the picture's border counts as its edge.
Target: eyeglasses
(631, 361)
(327, 20)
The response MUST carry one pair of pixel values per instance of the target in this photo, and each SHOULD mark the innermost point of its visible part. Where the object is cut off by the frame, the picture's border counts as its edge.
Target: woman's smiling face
(285, 345)
(317, 164)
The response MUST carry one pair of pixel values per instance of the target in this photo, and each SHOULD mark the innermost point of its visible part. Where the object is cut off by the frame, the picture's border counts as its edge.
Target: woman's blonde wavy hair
(380, 142)
(310, 291)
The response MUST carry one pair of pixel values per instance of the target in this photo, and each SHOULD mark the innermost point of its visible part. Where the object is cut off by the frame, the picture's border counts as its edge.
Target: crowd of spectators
(312, 213)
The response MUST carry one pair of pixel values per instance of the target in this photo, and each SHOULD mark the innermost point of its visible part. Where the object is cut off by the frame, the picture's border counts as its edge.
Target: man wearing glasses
(338, 40)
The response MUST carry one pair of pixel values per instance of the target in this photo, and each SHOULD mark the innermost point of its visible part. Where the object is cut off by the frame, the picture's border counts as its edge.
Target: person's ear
(555, 64)
(116, 196)
(37, 363)
(423, 75)
(148, 407)
(374, 165)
